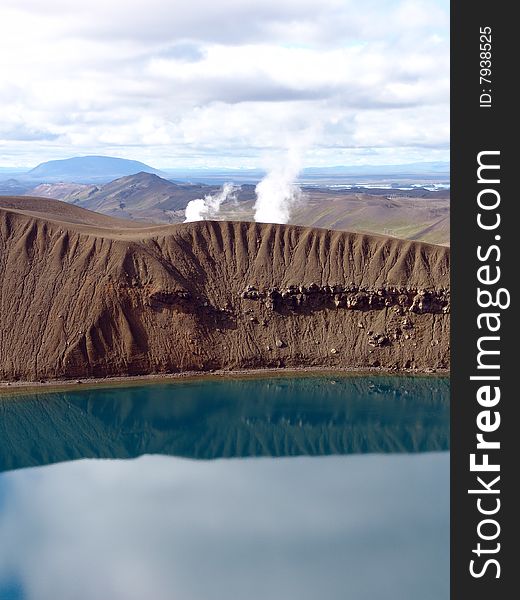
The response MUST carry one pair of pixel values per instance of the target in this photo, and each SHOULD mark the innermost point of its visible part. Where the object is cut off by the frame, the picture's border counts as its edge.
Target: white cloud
(221, 83)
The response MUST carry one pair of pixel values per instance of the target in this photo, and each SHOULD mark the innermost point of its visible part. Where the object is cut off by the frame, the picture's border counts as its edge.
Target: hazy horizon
(166, 169)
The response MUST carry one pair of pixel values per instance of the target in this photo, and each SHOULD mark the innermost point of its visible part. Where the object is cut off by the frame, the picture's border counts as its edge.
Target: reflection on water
(225, 419)
(345, 499)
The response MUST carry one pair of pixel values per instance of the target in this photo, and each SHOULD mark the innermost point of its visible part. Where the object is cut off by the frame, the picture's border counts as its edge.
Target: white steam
(277, 194)
(208, 207)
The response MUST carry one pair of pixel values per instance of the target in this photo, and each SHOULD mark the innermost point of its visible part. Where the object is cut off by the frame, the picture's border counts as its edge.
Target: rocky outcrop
(315, 297)
(82, 295)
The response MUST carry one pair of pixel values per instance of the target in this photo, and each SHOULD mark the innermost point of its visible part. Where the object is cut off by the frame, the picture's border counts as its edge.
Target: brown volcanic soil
(83, 294)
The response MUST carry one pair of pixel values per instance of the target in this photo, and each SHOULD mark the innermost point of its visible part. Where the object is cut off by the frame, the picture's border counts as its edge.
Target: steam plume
(277, 193)
(209, 206)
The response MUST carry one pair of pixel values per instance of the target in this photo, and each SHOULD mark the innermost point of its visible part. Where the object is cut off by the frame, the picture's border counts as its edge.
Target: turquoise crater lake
(333, 488)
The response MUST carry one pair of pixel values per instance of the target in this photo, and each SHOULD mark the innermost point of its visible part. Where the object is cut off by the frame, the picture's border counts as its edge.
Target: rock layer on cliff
(83, 295)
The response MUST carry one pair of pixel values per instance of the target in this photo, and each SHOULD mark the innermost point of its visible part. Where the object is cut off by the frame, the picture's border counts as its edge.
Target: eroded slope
(94, 298)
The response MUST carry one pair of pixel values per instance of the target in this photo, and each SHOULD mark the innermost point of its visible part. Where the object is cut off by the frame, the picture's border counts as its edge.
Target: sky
(227, 83)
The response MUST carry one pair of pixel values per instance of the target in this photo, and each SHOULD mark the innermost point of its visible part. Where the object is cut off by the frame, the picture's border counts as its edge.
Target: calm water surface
(273, 489)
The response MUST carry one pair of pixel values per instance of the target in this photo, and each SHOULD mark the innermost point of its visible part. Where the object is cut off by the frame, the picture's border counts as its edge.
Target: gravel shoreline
(8, 387)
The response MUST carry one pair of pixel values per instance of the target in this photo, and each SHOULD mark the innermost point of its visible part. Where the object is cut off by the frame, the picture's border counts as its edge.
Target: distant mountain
(87, 169)
(13, 187)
